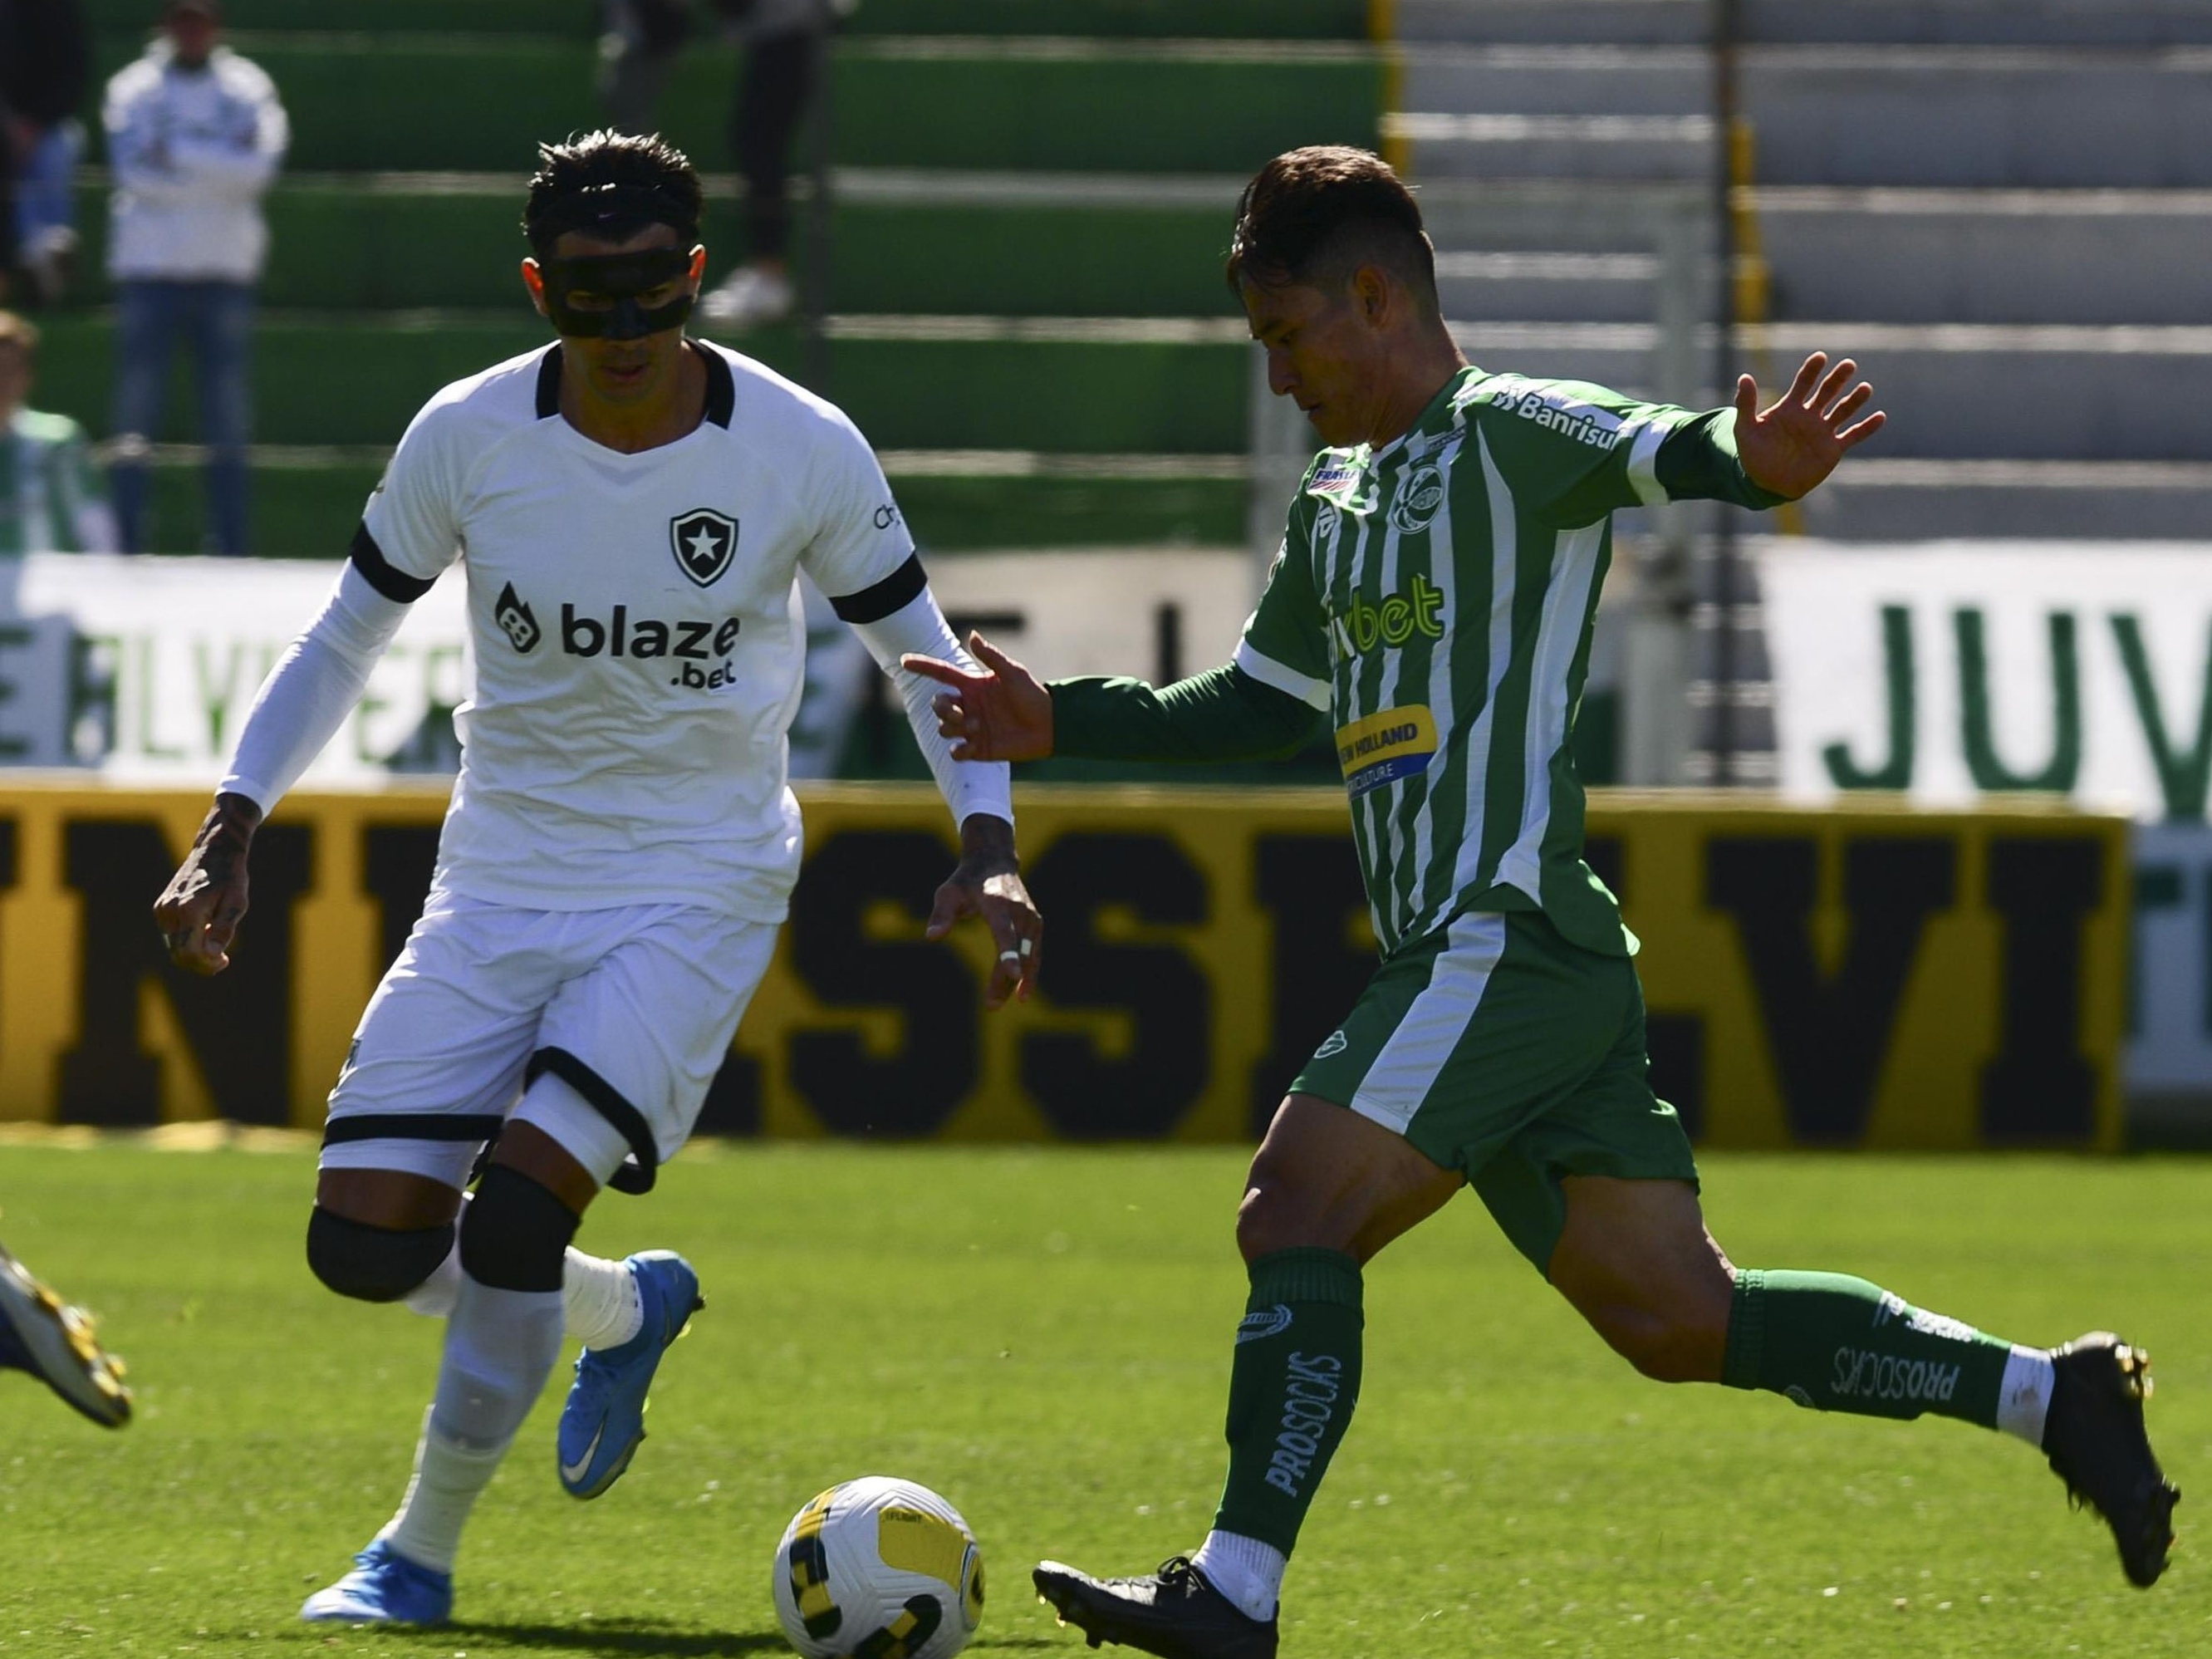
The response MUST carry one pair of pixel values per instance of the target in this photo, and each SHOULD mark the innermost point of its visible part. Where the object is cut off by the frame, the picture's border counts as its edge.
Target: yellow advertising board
(1870, 977)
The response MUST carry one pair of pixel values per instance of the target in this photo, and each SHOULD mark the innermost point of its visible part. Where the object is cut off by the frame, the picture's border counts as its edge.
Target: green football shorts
(1498, 1050)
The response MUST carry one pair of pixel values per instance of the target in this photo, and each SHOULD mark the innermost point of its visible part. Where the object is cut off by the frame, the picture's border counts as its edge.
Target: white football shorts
(633, 1008)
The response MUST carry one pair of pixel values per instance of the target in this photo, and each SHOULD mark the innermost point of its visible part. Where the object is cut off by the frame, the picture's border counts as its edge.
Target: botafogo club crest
(705, 543)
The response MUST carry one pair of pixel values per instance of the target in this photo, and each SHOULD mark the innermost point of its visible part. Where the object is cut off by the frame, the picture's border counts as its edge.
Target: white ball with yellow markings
(879, 1569)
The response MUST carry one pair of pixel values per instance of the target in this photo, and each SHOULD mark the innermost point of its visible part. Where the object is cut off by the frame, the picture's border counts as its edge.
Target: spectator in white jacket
(195, 135)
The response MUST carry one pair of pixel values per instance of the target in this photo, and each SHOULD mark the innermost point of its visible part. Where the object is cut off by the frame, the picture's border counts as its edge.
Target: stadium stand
(1024, 309)
(1998, 206)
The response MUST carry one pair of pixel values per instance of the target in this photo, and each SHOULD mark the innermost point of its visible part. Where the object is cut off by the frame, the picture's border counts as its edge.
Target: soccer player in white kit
(630, 508)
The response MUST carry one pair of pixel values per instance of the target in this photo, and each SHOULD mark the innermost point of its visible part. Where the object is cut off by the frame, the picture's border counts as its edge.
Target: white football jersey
(639, 639)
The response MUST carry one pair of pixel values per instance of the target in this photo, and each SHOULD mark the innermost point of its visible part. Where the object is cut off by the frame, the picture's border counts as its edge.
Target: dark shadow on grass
(622, 1635)
(608, 1635)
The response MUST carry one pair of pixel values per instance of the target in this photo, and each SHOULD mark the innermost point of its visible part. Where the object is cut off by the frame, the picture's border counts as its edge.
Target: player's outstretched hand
(1002, 713)
(1795, 444)
(199, 910)
(987, 883)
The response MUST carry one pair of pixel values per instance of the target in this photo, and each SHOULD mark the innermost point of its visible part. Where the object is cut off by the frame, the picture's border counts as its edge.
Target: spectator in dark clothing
(45, 61)
(784, 53)
(7, 167)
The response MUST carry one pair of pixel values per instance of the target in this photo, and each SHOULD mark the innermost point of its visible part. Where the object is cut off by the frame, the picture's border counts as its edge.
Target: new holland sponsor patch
(1386, 747)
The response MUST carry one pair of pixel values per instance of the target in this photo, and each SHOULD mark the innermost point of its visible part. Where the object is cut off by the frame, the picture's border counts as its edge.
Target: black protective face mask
(620, 278)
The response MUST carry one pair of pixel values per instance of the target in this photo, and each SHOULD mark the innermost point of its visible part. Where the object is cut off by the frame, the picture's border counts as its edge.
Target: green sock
(1839, 1344)
(1291, 1388)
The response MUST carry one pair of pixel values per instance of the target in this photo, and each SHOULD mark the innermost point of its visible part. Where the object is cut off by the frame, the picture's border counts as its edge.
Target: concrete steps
(1986, 117)
(1578, 147)
(2001, 208)
(1953, 392)
(1546, 286)
(1982, 117)
(1875, 497)
(1925, 256)
(1931, 22)
(1559, 80)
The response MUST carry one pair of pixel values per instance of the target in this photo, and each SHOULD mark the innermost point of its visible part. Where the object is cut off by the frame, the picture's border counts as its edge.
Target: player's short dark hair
(612, 185)
(1317, 214)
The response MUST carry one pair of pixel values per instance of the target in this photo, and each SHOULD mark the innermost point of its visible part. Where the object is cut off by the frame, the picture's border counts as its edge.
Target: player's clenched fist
(1001, 711)
(199, 910)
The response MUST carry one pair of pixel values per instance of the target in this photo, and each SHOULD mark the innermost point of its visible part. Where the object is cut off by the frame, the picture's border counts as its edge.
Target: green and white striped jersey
(1436, 597)
(50, 498)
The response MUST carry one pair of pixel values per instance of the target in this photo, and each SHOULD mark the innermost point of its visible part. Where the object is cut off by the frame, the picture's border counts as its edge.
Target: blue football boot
(384, 1588)
(603, 1421)
(56, 1343)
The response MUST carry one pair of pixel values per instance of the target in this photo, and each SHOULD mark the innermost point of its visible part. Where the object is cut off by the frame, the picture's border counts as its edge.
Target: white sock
(599, 1303)
(599, 1300)
(500, 1348)
(427, 1530)
(1248, 1572)
(2024, 1396)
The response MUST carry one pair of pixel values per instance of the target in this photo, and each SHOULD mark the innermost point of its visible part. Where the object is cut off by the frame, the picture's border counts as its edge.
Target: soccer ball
(879, 1569)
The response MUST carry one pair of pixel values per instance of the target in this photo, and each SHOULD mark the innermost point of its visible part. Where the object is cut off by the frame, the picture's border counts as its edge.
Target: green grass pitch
(1043, 1336)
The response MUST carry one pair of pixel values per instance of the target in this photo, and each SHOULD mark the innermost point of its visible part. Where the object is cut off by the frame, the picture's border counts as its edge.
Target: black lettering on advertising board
(1085, 1094)
(237, 1024)
(396, 862)
(1971, 983)
(1673, 1043)
(1310, 888)
(2039, 1088)
(1829, 1034)
(913, 1091)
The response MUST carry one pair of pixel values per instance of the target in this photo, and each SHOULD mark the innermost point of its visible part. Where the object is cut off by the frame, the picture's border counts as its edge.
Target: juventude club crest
(1419, 495)
(704, 543)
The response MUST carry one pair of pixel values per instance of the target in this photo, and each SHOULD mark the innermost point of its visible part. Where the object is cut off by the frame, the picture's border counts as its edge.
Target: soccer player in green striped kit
(1434, 596)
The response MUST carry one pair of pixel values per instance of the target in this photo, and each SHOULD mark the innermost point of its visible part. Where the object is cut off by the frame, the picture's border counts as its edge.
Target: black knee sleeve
(516, 1233)
(373, 1264)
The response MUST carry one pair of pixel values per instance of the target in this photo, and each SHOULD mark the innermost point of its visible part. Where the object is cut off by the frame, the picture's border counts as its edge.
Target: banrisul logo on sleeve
(705, 543)
(1386, 747)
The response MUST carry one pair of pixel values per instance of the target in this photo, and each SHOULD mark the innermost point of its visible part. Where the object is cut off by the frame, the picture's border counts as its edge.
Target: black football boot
(1174, 1614)
(2093, 1436)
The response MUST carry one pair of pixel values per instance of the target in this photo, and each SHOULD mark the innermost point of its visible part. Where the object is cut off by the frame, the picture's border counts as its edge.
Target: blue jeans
(42, 188)
(217, 319)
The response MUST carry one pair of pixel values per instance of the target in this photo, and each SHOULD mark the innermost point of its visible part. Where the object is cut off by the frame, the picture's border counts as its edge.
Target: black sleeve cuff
(381, 575)
(886, 597)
